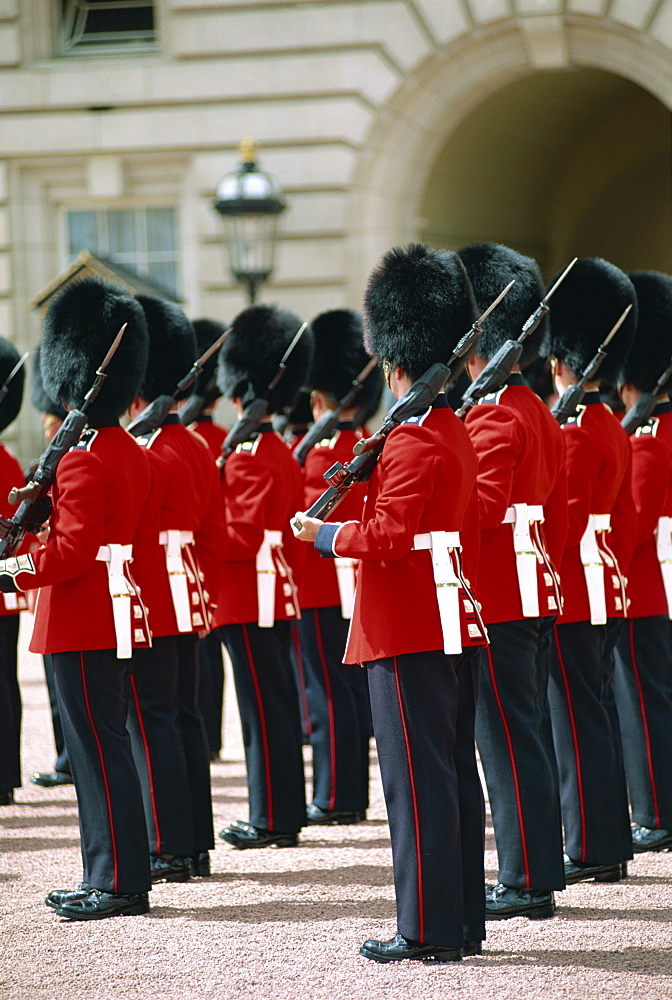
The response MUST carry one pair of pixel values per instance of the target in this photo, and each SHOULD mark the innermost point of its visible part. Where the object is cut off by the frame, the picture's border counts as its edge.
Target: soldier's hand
(305, 528)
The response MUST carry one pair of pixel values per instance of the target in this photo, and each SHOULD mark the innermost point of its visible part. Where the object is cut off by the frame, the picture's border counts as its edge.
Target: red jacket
(598, 478)
(188, 499)
(11, 475)
(102, 495)
(651, 477)
(521, 453)
(213, 434)
(262, 489)
(319, 586)
(424, 481)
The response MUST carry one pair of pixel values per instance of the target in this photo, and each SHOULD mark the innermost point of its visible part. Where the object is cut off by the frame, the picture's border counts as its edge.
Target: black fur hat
(38, 396)
(207, 332)
(172, 348)
(11, 404)
(651, 350)
(491, 267)
(339, 358)
(79, 328)
(417, 306)
(250, 356)
(584, 309)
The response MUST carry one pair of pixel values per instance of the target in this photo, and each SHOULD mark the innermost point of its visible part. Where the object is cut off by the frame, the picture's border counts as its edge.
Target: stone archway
(394, 175)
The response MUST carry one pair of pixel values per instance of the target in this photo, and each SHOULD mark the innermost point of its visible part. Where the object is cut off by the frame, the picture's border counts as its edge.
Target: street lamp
(248, 202)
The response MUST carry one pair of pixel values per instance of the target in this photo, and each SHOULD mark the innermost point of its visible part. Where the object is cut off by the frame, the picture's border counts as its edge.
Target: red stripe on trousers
(262, 723)
(645, 723)
(575, 741)
(148, 760)
(115, 860)
(514, 769)
(414, 797)
(330, 704)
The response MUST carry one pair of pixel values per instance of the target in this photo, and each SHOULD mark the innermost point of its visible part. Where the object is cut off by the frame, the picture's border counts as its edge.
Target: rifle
(8, 381)
(638, 414)
(341, 478)
(573, 394)
(326, 425)
(34, 504)
(500, 366)
(156, 412)
(247, 424)
(192, 409)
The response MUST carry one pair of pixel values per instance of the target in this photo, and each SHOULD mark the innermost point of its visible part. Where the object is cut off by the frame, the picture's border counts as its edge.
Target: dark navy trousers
(423, 707)
(515, 743)
(93, 691)
(337, 695)
(62, 763)
(211, 688)
(10, 706)
(268, 703)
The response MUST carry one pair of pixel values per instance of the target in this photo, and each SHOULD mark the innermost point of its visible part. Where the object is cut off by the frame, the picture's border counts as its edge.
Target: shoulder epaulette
(328, 442)
(576, 418)
(249, 447)
(493, 397)
(86, 440)
(147, 440)
(649, 429)
(419, 419)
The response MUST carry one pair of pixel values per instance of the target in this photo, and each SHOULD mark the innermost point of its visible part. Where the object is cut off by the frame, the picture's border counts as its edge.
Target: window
(97, 25)
(144, 240)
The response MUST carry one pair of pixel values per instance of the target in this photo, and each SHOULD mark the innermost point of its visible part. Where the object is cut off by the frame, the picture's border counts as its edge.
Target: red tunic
(521, 453)
(213, 434)
(424, 481)
(102, 495)
(598, 478)
(651, 473)
(262, 490)
(319, 586)
(188, 499)
(11, 475)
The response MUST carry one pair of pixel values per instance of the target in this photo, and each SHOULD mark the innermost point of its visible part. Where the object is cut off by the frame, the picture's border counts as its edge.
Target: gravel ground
(288, 923)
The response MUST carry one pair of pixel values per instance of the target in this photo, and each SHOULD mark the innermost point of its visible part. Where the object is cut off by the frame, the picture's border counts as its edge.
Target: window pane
(82, 232)
(165, 274)
(160, 229)
(121, 232)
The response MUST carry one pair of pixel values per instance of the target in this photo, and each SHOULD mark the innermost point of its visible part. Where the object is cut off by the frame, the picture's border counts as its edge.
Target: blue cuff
(324, 543)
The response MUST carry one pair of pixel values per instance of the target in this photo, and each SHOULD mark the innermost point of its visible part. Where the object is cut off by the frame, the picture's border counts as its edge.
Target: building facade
(545, 124)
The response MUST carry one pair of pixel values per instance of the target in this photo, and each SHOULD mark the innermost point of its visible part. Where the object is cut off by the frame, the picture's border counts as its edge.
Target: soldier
(210, 661)
(522, 496)
(102, 519)
(52, 415)
(596, 554)
(167, 731)
(257, 600)
(643, 653)
(419, 653)
(11, 475)
(337, 694)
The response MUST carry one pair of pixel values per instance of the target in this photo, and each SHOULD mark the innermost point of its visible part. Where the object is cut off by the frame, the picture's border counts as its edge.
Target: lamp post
(249, 204)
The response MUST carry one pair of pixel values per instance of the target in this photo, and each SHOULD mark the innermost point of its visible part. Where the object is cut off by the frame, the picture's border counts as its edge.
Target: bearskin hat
(491, 267)
(11, 404)
(339, 358)
(417, 306)
(79, 328)
(651, 350)
(207, 332)
(172, 348)
(582, 312)
(38, 396)
(250, 356)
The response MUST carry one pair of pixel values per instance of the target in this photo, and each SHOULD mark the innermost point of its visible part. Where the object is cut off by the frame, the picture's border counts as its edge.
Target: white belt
(266, 574)
(664, 553)
(593, 567)
(345, 577)
(173, 540)
(521, 515)
(447, 583)
(115, 556)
